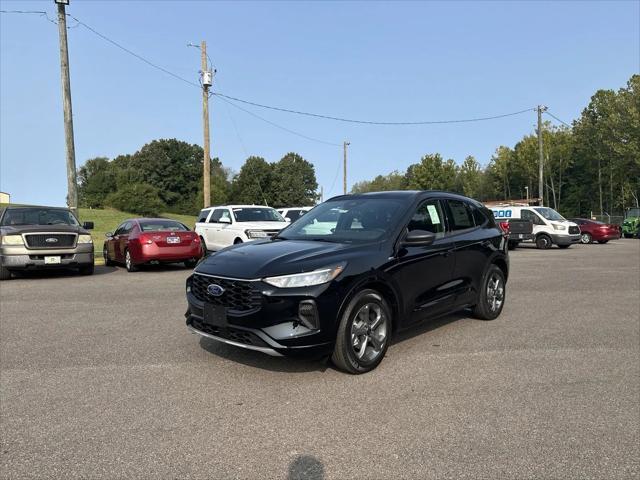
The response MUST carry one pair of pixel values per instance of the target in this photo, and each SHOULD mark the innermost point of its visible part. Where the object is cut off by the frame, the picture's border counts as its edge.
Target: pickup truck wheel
(543, 242)
(87, 270)
(5, 273)
(363, 333)
(492, 294)
(128, 262)
(586, 238)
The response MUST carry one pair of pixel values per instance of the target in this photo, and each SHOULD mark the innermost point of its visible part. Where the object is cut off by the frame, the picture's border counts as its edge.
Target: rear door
(423, 274)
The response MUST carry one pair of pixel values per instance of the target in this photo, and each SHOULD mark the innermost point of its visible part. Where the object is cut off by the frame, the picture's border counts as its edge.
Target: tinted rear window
(161, 225)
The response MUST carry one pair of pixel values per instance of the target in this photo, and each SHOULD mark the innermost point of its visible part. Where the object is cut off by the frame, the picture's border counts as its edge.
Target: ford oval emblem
(51, 240)
(215, 290)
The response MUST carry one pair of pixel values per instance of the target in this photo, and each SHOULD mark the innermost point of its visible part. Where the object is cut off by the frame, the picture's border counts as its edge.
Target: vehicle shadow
(59, 273)
(263, 361)
(306, 467)
(429, 325)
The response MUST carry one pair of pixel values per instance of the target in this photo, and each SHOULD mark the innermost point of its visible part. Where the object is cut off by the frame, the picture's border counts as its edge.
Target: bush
(139, 198)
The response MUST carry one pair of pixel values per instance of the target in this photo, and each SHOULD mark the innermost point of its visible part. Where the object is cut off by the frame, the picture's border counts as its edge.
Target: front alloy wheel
(363, 334)
(492, 295)
(585, 238)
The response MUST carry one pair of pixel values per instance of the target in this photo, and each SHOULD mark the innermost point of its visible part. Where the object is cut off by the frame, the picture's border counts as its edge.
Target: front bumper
(565, 239)
(18, 257)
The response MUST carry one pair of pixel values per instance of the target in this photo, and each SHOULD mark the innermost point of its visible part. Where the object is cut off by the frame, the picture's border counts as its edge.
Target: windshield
(549, 213)
(38, 216)
(633, 212)
(162, 225)
(257, 214)
(346, 221)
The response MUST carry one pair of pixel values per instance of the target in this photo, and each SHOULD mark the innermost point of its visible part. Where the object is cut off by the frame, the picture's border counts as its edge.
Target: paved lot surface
(100, 378)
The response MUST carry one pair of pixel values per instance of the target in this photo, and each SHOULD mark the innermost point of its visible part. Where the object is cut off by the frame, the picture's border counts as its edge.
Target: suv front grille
(229, 333)
(50, 240)
(239, 295)
(574, 230)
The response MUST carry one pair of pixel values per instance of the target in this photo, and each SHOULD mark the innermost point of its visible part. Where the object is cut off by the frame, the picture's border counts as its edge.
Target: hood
(262, 225)
(267, 258)
(19, 229)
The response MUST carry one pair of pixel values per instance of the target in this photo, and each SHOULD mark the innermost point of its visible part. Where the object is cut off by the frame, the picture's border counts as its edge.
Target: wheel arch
(383, 288)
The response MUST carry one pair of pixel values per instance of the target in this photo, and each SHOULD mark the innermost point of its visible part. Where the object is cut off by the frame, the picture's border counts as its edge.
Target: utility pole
(344, 180)
(541, 108)
(207, 81)
(72, 188)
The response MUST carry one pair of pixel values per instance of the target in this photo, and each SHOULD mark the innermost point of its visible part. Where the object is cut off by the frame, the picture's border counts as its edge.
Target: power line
(553, 116)
(369, 122)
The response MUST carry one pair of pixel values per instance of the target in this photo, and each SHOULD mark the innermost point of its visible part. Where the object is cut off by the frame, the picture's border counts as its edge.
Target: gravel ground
(100, 378)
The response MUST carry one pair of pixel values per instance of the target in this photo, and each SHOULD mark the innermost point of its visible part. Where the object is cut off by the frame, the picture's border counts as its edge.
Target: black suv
(351, 272)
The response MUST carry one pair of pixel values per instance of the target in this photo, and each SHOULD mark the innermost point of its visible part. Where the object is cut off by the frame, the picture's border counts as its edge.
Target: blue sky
(375, 61)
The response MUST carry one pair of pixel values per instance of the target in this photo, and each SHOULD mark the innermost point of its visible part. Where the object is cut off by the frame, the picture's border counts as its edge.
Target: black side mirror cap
(87, 225)
(418, 238)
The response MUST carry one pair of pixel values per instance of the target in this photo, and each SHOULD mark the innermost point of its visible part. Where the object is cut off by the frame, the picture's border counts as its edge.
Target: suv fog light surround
(308, 314)
(307, 279)
(12, 240)
(256, 234)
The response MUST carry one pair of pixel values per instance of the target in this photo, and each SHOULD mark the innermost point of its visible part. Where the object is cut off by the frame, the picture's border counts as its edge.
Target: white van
(549, 227)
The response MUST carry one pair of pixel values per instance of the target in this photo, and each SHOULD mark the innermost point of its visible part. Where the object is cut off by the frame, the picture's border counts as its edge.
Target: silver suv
(42, 238)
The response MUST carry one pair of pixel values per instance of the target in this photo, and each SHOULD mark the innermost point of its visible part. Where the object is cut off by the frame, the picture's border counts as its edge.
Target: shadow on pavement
(59, 273)
(430, 325)
(306, 467)
(264, 361)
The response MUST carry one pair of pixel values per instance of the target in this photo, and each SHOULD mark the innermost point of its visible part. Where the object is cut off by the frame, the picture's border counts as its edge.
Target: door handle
(445, 253)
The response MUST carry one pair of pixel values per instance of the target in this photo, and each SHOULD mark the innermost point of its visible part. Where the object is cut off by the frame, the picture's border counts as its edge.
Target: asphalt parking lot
(100, 378)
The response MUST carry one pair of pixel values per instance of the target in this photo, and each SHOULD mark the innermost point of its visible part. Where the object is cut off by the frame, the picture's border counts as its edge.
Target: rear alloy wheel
(363, 334)
(586, 238)
(128, 262)
(492, 295)
(543, 242)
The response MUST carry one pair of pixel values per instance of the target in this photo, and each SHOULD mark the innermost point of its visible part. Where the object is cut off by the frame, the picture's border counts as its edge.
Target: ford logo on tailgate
(51, 240)
(215, 290)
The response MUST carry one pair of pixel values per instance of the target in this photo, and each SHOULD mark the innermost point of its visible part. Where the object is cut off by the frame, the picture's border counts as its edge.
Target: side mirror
(418, 238)
(109, 234)
(87, 225)
(287, 219)
(224, 220)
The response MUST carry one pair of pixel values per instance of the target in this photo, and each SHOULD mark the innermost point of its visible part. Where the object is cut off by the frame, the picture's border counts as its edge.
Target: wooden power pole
(541, 108)
(344, 167)
(72, 188)
(207, 80)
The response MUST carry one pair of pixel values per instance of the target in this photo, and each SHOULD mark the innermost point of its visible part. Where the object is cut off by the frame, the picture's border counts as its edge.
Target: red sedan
(140, 241)
(592, 230)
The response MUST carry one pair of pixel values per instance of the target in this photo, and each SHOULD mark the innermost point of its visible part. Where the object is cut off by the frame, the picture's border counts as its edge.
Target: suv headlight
(256, 234)
(85, 239)
(12, 240)
(558, 227)
(308, 279)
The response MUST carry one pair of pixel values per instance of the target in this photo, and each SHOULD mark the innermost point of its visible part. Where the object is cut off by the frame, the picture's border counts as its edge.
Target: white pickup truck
(219, 227)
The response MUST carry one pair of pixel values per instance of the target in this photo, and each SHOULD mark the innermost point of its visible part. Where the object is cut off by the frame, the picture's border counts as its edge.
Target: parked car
(292, 214)
(592, 230)
(38, 238)
(219, 227)
(390, 261)
(549, 227)
(140, 241)
(631, 222)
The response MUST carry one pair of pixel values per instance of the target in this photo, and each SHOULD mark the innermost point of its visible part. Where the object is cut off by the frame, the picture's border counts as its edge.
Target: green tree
(470, 177)
(393, 181)
(96, 180)
(294, 182)
(432, 173)
(252, 185)
(139, 198)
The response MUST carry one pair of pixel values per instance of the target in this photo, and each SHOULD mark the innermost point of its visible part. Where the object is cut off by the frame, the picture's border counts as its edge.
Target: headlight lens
(256, 234)
(559, 227)
(308, 279)
(12, 240)
(85, 239)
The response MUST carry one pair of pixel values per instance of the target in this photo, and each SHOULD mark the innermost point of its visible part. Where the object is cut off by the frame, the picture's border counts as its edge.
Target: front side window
(459, 215)
(38, 216)
(529, 216)
(549, 213)
(428, 217)
(219, 213)
(293, 215)
(257, 214)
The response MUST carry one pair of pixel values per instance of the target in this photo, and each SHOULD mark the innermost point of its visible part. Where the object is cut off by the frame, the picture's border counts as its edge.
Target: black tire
(627, 235)
(512, 245)
(107, 261)
(190, 263)
(237, 241)
(360, 309)
(602, 242)
(490, 304)
(87, 270)
(5, 273)
(204, 247)
(128, 262)
(543, 242)
(586, 238)
(564, 246)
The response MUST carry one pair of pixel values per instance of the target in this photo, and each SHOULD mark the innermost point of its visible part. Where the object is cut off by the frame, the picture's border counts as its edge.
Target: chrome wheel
(127, 260)
(585, 238)
(369, 332)
(495, 292)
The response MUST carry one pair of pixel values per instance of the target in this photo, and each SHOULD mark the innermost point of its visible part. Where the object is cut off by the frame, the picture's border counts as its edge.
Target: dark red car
(592, 230)
(140, 241)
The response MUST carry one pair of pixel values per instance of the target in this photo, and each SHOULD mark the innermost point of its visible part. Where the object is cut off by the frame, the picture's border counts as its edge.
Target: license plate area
(52, 260)
(173, 239)
(215, 315)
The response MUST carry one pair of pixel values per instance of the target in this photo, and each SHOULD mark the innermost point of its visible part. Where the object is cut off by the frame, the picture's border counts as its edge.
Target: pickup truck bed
(519, 230)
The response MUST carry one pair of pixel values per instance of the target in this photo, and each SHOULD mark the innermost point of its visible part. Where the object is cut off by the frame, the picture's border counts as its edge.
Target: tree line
(166, 176)
(591, 166)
